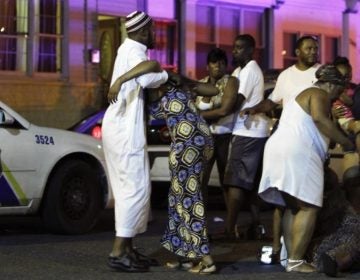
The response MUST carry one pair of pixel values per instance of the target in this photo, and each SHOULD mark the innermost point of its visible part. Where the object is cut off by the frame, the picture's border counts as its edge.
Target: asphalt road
(28, 251)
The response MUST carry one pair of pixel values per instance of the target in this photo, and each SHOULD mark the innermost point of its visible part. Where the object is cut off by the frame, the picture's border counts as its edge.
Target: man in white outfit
(125, 148)
(299, 76)
(249, 134)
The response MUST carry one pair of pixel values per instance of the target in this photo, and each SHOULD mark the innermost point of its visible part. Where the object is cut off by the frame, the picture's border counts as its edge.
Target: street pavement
(28, 251)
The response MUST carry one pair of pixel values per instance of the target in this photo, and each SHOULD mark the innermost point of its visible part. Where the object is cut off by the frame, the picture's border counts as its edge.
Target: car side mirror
(5, 118)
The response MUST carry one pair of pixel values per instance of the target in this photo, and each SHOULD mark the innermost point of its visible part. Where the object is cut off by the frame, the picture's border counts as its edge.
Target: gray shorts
(243, 169)
(221, 152)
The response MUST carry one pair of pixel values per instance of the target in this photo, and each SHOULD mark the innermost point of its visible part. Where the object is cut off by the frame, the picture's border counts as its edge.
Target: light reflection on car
(157, 131)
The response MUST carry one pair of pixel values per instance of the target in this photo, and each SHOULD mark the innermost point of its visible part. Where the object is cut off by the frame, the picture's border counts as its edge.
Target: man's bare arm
(138, 70)
(199, 88)
(228, 101)
(264, 106)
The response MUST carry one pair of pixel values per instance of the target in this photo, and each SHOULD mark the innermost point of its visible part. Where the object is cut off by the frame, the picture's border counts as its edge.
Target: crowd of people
(222, 118)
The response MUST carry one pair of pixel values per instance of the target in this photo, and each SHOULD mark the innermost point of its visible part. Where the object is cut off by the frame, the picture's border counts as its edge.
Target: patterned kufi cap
(329, 73)
(136, 20)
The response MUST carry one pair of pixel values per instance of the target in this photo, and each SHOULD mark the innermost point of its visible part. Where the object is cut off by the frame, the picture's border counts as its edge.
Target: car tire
(73, 200)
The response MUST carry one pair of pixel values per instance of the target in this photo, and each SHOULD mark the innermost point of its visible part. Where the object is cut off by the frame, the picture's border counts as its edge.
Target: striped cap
(136, 20)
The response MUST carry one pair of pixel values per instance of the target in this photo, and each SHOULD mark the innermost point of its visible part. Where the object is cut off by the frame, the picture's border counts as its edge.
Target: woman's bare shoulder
(314, 92)
(309, 94)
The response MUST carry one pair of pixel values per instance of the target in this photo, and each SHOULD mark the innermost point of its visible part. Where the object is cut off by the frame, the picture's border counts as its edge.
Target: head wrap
(329, 73)
(136, 20)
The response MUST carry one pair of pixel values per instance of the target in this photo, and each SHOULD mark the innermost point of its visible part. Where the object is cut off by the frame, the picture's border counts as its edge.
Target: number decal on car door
(44, 140)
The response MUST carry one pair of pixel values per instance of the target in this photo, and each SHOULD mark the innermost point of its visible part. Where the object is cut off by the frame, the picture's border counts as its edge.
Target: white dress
(293, 159)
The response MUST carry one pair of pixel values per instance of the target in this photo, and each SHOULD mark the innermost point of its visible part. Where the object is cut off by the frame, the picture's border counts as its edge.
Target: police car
(55, 173)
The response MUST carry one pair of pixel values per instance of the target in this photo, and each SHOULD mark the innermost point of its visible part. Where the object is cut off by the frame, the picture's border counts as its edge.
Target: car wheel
(73, 200)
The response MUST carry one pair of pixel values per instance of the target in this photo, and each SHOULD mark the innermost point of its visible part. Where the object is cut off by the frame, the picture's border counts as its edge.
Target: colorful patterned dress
(191, 147)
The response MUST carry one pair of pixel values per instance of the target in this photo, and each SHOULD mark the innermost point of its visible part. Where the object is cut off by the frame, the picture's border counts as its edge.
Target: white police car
(58, 174)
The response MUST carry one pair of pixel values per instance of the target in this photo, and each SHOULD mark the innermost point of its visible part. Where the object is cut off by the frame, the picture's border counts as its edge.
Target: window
(217, 26)
(48, 36)
(205, 37)
(13, 34)
(331, 48)
(165, 45)
(229, 29)
(24, 49)
(205, 27)
(288, 52)
(253, 25)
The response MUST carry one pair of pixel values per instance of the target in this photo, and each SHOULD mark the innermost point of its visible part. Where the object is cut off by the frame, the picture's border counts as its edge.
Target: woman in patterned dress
(191, 147)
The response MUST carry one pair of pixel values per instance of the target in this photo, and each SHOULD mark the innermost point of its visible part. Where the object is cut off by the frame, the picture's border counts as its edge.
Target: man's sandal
(299, 266)
(141, 258)
(126, 263)
(203, 268)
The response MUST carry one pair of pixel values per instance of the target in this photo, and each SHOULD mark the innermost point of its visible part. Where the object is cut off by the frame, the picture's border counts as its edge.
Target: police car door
(18, 162)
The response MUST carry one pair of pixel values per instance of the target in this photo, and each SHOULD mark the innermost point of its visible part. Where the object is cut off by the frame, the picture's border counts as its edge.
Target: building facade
(56, 56)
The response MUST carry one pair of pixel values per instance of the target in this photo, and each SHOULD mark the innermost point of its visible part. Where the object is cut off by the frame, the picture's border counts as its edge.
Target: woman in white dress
(293, 172)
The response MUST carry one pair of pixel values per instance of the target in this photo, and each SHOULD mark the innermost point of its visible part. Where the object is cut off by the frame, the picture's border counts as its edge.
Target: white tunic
(124, 140)
(293, 159)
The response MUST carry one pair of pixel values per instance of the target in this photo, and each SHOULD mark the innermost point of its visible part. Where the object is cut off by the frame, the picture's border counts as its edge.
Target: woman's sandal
(299, 266)
(181, 263)
(203, 268)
